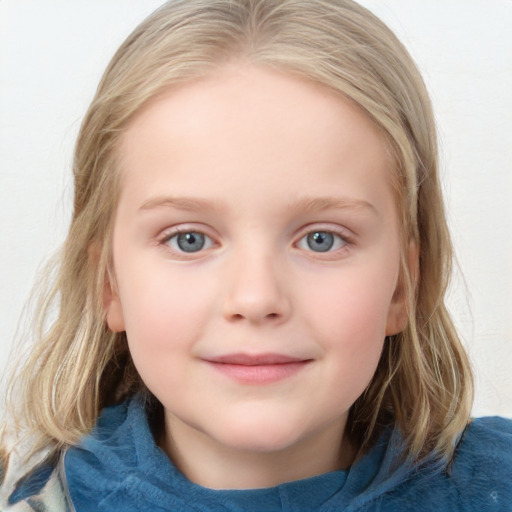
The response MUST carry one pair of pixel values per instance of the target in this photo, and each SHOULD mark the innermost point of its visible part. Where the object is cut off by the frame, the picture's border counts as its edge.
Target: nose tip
(257, 295)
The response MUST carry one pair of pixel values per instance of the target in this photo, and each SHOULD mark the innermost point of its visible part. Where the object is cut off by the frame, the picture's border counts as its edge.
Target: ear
(111, 302)
(112, 307)
(398, 314)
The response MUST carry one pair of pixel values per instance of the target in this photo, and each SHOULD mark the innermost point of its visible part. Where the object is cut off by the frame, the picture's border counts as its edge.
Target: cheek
(349, 316)
(165, 311)
(355, 302)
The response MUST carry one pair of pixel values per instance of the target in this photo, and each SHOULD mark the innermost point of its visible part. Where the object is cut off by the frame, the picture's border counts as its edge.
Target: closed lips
(256, 360)
(258, 369)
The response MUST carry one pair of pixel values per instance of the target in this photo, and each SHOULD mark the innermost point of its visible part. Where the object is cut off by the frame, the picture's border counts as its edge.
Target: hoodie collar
(120, 467)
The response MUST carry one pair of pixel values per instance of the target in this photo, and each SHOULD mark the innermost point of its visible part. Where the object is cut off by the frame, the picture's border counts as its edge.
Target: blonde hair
(423, 384)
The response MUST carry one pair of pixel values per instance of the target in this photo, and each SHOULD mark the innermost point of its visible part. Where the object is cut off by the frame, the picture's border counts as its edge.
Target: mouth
(257, 368)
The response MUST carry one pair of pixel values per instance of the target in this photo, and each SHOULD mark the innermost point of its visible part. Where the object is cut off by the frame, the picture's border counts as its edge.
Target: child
(251, 295)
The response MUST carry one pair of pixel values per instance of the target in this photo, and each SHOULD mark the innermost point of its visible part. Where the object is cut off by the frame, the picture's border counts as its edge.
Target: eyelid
(341, 231)
(181, 228)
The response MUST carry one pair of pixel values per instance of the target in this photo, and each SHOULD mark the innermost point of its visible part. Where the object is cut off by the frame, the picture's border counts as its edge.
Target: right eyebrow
(180, 203)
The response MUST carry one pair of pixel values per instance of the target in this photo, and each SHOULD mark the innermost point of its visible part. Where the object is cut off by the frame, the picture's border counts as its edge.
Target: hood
(119, 467)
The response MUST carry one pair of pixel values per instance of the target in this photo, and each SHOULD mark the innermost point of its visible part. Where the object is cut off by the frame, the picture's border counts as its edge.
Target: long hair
(423, 383)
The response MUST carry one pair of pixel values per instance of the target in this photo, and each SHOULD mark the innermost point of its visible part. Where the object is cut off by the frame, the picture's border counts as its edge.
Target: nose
(256, 291)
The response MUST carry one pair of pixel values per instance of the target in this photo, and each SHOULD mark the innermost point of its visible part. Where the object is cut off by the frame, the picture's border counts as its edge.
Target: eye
(189, 241)
(321, 241)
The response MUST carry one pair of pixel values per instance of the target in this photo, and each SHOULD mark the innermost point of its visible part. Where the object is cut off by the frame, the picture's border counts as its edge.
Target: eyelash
(340, 236)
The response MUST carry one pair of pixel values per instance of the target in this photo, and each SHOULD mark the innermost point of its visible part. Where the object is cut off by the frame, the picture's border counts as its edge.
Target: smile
(257, 369)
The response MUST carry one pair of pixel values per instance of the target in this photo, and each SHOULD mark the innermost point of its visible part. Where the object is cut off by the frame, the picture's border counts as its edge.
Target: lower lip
(259, 374)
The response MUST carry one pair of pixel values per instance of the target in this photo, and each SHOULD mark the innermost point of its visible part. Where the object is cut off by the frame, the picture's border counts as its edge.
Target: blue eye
(321, 241)
(190, 241)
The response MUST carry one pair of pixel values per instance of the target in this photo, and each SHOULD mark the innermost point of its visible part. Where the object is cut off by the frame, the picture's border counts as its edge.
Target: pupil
(191, 242)
(320, 241)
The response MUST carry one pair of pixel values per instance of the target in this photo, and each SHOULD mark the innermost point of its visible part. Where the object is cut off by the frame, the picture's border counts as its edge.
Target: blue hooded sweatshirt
(118, 467)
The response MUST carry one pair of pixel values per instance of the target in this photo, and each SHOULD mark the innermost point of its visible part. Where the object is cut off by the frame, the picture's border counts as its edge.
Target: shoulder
(39, 483)
(478, 479)
(32, 486)
(487, 439)
(482, 466)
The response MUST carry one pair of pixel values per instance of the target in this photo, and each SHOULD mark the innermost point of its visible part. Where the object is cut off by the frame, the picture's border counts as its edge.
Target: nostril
(270, 316)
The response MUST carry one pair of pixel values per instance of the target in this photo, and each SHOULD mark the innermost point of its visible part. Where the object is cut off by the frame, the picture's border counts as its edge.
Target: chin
(263, 437)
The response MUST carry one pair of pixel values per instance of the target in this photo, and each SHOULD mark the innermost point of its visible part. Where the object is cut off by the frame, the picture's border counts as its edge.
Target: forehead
(254, 128)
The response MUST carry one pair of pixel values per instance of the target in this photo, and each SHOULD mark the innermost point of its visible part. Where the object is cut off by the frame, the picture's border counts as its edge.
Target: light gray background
(52, 54)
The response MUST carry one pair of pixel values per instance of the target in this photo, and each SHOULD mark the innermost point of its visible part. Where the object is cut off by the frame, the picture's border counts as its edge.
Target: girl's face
(256, 252)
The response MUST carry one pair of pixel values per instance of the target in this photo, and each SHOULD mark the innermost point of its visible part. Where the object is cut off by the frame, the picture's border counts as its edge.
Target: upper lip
(255, 359)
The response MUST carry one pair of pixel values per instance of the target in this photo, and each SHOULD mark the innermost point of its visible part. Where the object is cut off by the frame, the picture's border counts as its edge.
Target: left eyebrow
(316, 204)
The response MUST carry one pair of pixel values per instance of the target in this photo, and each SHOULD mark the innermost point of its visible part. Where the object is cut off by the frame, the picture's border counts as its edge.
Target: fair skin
(256, 254)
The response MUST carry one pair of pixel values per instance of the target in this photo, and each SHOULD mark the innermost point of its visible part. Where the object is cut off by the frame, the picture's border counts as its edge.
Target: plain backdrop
(52, 54)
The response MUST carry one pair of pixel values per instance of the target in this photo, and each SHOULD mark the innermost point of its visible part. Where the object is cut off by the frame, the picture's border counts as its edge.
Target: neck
(217, 466)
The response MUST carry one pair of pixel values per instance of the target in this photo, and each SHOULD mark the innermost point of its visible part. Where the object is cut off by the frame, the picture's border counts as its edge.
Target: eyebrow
(316, 204)
(303, 205)
(180, 203)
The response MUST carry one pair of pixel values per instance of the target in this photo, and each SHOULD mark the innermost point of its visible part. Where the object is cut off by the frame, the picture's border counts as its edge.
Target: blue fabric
(119, 468)
(33, 483)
